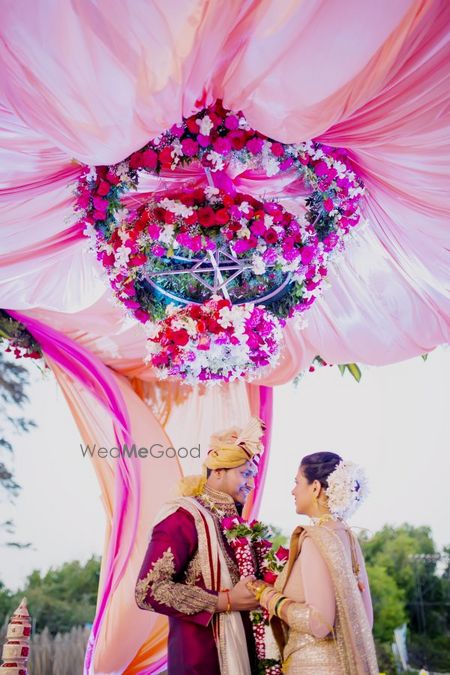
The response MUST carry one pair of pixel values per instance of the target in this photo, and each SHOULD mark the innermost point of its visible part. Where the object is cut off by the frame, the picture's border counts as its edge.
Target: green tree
(61, 598)
(409, 561)
(14, 381)
(388, 603)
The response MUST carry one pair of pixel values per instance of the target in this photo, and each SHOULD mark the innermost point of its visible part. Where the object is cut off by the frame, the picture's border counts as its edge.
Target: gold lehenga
(349, 649)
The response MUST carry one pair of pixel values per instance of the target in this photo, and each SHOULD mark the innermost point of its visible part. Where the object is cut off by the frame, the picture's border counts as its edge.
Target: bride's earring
(316, 502)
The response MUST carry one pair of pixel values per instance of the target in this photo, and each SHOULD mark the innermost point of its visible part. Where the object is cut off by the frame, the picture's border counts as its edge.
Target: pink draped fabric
(91, 82)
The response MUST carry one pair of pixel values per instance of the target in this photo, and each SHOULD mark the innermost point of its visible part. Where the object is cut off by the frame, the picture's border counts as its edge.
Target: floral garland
(268, 240)
(131, 243)
(18, 338)
(255, 556)
(214, 341)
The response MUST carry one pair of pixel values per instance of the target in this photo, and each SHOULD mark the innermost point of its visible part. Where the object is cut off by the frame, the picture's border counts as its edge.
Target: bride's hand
(257, 586)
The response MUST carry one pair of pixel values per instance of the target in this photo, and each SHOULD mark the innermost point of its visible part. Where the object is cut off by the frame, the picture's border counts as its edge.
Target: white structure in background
(399, 648)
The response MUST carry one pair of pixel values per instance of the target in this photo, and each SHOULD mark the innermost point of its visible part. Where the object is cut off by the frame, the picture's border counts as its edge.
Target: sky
(395, 423)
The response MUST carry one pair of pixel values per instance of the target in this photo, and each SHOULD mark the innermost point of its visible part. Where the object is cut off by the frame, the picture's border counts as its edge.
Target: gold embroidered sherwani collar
(219, 503)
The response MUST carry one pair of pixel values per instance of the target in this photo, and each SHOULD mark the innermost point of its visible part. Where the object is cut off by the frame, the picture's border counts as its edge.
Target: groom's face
(239, 482)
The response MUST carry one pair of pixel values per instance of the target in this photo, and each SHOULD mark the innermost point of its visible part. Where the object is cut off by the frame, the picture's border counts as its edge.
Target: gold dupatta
(352, 633)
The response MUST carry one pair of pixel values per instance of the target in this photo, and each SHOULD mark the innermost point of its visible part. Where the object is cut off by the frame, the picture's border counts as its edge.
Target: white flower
(177, 149)
(122, 170)
(347, 489)
(122, 255)
(205, 125)
(167, 233)
(244, 232)
(258, 265)
(215, 159)
(211, 191)
(268, 220)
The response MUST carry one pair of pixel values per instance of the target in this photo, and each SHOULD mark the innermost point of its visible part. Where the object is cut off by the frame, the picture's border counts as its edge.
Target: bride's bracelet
(266, 596)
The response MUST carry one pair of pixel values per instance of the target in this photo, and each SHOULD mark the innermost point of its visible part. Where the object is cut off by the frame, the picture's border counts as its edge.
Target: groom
(189, 571)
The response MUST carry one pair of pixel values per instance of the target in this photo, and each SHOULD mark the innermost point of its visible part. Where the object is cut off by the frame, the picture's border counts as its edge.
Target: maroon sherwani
(171, 582)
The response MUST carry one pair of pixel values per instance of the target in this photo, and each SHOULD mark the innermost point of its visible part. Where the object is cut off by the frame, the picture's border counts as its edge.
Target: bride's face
(303, 493)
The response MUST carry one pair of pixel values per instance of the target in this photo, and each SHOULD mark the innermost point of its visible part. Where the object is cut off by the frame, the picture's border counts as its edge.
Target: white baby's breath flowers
(347, 489)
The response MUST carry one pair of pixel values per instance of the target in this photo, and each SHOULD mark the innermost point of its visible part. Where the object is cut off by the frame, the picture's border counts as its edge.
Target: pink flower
(190, 147)
(100, 204)
(321, 168)
(254, 145)
(177, 130)
(286, 164)
(328, 205)
(241, 245)
(282, 553)
(258, 228)
(230, 523)
(149, 159)
(154, 230)
(231, 122)
(141, 315)
(277, 149)
(158, 250)
(132, 304)
(203, 141)
(83, 200)
(222, 146)
(307, 254)
(270, 577)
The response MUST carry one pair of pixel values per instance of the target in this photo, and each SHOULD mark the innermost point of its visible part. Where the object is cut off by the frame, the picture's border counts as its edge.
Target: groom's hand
(243, 600)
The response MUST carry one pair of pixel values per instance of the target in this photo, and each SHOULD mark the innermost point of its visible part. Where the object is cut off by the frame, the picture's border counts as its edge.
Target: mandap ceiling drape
(90, 81)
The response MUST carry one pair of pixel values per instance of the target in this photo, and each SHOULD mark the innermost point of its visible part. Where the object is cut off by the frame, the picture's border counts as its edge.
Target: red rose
(135, 161)
(112, 178)
(165, 157)
(206, 216)
(192, 219)
(137, 260)
(237, 139)
(269, 577)
(282, 553)
(179, 337)
(103, 188)
(199, 195)
(277, 149)
(192, 125)
(149, 159)
(195, 311)
(271, 236)
(214, 326)
(169, 217)
(222, 217)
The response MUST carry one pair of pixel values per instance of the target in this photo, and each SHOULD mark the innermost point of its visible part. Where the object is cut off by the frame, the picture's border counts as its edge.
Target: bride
(320, 606)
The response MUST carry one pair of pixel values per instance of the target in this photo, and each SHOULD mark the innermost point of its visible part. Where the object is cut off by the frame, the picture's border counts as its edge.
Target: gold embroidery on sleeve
(188, 599)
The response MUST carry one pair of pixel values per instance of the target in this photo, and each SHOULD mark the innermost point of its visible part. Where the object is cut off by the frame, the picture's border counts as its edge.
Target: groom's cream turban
(228, 449)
